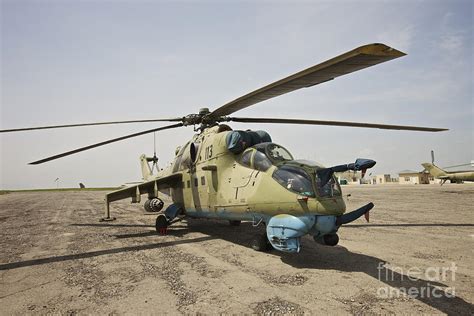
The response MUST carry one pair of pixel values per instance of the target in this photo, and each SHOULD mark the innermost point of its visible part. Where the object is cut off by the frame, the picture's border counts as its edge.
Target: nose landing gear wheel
(260, 243)
(331, 239)
(162, 224)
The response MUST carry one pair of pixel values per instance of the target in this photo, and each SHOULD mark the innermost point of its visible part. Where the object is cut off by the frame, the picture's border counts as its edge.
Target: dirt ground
(56, 257)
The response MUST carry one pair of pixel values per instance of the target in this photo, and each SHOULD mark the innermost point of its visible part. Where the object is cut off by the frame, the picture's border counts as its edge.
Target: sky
(86, 61)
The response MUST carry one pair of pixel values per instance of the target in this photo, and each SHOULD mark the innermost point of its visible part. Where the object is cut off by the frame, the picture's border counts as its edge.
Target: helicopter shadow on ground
(178, 230)
(315, 256)
(409, 225)
(110, 225)
(241, 235)
(110, 251)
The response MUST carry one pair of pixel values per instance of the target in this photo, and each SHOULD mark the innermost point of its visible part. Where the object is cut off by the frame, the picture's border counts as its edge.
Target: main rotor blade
(104, 143)
(334, 123)
(359, 58)
(178, 119)
(463, 165)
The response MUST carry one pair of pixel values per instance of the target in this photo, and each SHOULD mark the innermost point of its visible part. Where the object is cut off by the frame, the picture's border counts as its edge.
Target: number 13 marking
(208, 153)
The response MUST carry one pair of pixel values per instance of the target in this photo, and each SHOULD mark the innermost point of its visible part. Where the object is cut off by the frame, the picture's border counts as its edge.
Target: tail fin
(146, 170)
(434, 170)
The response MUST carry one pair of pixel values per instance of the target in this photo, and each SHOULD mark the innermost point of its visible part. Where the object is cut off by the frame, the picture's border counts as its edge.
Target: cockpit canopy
(262, 156)
(274, 152)
(297, 176)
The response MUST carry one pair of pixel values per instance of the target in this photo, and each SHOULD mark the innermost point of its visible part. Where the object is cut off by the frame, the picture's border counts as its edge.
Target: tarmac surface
(415, 256)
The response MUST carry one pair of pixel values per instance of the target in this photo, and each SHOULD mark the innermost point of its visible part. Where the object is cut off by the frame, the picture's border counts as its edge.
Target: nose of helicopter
(284, 231)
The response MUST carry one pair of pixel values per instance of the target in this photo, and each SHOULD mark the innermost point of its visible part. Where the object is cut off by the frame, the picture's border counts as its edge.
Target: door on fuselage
(241, 176)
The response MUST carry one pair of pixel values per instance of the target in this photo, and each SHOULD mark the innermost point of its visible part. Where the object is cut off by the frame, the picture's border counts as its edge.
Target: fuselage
(439, 173)
(462, 176)
(217, 183)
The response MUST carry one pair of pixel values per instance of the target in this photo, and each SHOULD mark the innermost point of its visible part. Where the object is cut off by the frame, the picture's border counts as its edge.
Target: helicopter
(238, 175)
(443, 175)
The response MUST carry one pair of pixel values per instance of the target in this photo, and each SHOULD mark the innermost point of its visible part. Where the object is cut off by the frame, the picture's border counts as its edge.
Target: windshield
(294, 179)
(330, 189)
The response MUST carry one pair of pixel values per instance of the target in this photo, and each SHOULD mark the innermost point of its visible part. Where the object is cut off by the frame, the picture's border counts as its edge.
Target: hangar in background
(413, 177)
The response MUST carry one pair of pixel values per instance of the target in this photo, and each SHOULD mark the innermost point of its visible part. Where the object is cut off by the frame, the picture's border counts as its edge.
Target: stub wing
(152, 188)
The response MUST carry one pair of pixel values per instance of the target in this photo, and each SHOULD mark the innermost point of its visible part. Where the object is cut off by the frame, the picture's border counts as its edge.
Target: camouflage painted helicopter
(244, 176)
(452, 176)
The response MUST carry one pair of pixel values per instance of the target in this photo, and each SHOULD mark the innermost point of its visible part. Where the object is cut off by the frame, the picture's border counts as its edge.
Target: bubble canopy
(298, 176)
(274, 152)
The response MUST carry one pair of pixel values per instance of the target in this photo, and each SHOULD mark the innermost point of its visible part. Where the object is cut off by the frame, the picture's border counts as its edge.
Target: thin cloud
(400, 38)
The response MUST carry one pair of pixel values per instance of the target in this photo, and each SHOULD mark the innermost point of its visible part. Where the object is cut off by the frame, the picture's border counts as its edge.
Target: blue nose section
(325, 224)
(284, 231)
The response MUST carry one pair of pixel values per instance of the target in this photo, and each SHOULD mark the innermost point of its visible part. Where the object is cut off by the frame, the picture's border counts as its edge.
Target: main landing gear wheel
(234, 223)
(162, 224)
(260, 243)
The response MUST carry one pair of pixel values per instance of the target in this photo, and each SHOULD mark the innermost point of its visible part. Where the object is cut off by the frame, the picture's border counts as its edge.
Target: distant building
(433, 180)
(405, 177)
(349, 177)
(381, 179)
(413, 177)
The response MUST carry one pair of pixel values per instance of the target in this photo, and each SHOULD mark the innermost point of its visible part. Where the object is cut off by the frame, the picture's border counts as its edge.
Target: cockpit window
(262, 156)
(274, 152)
(294, 179)
(246, 158)
(278, 153)
(330, 189)
(261, 162)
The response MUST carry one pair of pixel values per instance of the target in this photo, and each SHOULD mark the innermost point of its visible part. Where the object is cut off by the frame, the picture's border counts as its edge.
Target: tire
(331, 239)
(260, 243)
(162, 224)
(234, 223)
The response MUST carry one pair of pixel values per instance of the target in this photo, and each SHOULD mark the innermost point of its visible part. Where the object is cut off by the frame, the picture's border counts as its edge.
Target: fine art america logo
(415, 282)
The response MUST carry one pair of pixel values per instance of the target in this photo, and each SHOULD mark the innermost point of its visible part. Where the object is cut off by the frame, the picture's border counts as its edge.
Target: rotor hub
(204, 111)
(204, 118)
